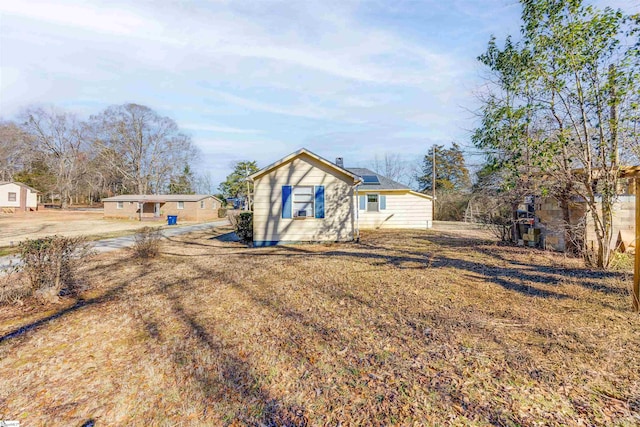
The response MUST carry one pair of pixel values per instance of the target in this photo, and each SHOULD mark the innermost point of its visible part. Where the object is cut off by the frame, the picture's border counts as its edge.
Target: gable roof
(20, 184)
(158, 198)
(298, 153)
(385, 183)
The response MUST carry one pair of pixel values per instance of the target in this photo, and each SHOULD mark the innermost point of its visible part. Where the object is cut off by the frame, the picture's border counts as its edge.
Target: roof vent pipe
(340, 162)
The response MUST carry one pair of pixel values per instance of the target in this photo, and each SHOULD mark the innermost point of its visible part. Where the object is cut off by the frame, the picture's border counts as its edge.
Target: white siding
(268, 224)
(404, 210)
(4, 195)
(32, 199)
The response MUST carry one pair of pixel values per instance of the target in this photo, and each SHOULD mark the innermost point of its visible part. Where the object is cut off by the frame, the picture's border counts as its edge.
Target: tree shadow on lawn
(233, 381)
(531, 272)
(111, 294)
(524, 278)
(403, 330)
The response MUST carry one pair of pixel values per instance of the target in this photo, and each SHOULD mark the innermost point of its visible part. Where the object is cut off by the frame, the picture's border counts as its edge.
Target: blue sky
(256, 80)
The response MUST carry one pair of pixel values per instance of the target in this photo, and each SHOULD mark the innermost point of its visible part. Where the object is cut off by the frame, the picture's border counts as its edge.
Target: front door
(156, 210)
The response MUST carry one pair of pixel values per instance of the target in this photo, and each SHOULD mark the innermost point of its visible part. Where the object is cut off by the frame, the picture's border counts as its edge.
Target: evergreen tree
(451, 172)
(237, 183)
(183, 183)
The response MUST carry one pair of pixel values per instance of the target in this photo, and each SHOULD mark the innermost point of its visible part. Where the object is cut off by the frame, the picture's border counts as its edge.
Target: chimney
(340, 162)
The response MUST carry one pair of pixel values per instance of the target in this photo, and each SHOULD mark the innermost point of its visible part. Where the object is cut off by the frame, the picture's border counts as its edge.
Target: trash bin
(172, 219)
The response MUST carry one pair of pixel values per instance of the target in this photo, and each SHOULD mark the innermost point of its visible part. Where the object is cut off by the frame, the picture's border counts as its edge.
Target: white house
(306, 198)
(17, 197)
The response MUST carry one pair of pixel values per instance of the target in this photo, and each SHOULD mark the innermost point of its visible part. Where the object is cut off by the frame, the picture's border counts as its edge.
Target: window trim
(180, 205)
(15, 196)
(120, 205)
(294, 211)
(377, 202)
(202, 204)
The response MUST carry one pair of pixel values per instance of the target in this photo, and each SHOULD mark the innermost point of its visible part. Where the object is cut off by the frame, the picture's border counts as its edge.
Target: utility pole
(433, 185)
(246, 169)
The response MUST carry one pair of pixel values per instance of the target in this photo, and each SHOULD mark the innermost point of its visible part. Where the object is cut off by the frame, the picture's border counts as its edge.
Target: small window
(180, 205)
(12, 197)
(119, 205)
(372, 203)
(201, 204)
(303, 201)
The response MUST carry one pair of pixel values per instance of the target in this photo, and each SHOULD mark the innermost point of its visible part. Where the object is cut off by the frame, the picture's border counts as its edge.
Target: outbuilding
(17, 197)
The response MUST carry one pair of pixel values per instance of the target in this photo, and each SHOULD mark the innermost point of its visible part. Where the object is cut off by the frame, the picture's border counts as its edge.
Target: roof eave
(295, 154)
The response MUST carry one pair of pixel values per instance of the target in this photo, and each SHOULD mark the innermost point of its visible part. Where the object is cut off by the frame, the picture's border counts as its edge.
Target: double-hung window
(119, 205)
(303, 201)
(12, 197)
(180, 205)
(201, 204)
(372, 203)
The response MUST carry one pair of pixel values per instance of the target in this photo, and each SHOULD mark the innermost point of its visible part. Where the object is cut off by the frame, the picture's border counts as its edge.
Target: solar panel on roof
(370, 179)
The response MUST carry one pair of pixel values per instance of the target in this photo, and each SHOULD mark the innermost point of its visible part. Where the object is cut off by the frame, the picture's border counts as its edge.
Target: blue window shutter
(383, 202)
(320, 201)
(286, 201)
(363, 203)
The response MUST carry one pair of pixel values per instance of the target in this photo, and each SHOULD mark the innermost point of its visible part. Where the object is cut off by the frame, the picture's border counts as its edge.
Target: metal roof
(385, 183)
(158, 198)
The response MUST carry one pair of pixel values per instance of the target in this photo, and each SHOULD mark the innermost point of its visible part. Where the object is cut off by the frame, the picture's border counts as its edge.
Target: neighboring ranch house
(306, 198)
(187, 207)
(17, 197)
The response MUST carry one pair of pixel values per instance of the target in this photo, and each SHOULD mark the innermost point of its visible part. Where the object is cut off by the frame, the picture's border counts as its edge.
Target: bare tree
(204, 183)
(12, 150)
(59, 137)
(143, 147)
(391, 165)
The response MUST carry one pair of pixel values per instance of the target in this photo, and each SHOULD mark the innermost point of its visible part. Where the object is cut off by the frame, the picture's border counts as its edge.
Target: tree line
(124, 149)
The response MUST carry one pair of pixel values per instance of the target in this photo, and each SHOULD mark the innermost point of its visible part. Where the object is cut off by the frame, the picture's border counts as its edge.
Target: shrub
(146, 242)
(222, 212)
(243, 224)
(49, 265)
(12, 287)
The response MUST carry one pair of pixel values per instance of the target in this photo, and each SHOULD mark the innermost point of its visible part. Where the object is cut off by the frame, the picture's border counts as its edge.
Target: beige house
(306, 198)
(17, 197)
(187, 207)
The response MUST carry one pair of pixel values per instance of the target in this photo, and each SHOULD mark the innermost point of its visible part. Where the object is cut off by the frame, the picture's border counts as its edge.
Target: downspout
(357, 208)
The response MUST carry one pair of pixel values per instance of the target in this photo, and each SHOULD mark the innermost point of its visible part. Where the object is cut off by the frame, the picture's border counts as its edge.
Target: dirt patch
(405, 328)
(16, 228)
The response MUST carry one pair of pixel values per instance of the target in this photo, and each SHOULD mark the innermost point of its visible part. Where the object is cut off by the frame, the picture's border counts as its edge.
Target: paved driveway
(116, 243)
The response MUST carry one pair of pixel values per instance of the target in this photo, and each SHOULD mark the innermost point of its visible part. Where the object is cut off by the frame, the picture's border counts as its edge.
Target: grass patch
(404, 328)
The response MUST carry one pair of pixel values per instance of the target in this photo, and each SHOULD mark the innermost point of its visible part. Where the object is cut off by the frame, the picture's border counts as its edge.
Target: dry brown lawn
(17, 227)
(405, 328)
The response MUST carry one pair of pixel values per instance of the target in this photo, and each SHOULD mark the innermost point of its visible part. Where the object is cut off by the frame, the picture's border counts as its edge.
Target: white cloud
(217, 128)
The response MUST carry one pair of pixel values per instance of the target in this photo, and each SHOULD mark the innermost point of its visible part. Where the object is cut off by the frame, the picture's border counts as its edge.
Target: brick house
(187, 207)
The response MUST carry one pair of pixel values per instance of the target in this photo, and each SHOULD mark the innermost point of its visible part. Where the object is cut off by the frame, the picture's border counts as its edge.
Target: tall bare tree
(143, 147)
(60, 139)
(12, 150)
